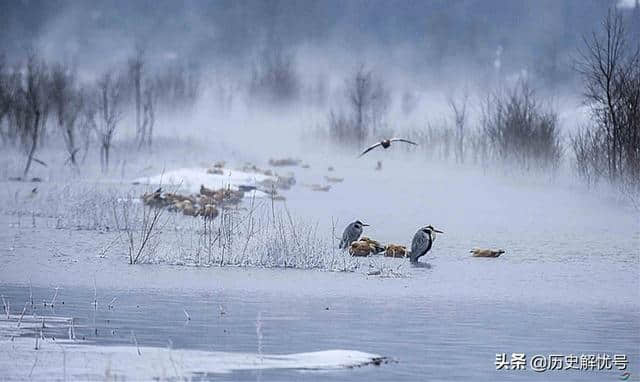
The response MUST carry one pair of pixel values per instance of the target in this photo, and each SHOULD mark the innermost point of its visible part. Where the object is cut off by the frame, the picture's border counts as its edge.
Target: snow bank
(66, 359)
(190, 179)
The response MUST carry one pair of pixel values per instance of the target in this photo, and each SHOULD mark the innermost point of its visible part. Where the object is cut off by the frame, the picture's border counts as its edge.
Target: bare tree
(142, 235)
(32, 107)
(87, 120)
(590, 160)
(275, 77)
(67, 105)
(339, 126)
(520, 130)
(409, 102)
(6, 97)
(149, 102)
(460, 119)
(109, 103)
(359, 93)
(610, 67)
(11, 102)
(136, 67)
(178, 86)
(368, 101)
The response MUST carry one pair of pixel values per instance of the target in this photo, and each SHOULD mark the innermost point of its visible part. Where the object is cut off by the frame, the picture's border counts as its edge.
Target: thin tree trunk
(102, 167)
(34, 142)
(139, 126)
(106, 158)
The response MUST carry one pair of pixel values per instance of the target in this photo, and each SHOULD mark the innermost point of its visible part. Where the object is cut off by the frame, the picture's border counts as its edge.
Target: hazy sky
(413, 35)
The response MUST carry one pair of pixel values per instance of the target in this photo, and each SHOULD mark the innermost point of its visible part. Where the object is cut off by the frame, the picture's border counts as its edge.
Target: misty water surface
(452, 339)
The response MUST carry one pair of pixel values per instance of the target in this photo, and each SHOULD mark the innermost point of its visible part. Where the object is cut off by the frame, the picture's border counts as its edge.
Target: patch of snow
(190, 179)
(626, 4)
(74, 360)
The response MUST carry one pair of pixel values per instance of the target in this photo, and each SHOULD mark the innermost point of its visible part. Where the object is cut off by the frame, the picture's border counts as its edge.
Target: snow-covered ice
(190, 179)
(66, 359)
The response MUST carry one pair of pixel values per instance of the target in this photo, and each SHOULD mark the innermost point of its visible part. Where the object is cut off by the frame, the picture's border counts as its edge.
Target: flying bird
(422, 242)
(351, 233)
(386, 143)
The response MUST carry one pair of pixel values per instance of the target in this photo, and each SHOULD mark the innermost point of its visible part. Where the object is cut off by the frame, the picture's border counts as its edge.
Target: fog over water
(428, 49)
(490, 90)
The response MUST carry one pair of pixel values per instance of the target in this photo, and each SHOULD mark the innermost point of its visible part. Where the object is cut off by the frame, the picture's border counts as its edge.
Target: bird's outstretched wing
(403, 140)
(370, 148)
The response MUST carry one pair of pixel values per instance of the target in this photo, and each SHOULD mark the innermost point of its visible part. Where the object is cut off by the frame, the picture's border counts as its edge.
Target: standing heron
(386, 143)
(351, 233)
(422, 242)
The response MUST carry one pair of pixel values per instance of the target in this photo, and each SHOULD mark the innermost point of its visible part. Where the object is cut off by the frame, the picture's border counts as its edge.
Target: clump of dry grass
(85, 206)
(257, 232)
(141, 235)
(262, 234)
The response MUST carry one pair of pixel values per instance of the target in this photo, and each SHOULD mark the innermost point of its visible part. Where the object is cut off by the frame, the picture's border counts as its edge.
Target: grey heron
(351, 233)
(422, 242)
(481, 252)
(386, 143)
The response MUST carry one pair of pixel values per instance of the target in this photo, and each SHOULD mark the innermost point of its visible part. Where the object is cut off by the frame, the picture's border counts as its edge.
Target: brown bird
(395, 250)
(374, 244)
(209, 211)
(332, 179)
(154, 199)
(317, 187)
(386, 143)
(176, 206)
(360, 249)
(188, 209)
(479, 252)
(206, 191)
(171, 197)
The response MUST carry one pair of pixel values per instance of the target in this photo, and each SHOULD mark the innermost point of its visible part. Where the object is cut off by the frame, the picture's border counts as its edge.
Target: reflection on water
(432, 338)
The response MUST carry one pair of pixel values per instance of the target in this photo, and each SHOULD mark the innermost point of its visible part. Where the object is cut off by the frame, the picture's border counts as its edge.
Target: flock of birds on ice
(205, 203)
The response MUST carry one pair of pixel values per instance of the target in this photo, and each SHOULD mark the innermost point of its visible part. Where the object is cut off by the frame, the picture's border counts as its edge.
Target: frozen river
(568, 284)
(431, 335)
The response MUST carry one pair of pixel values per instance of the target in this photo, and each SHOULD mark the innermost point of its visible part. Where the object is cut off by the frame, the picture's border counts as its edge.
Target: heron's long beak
(438, 231)
(365, 225)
